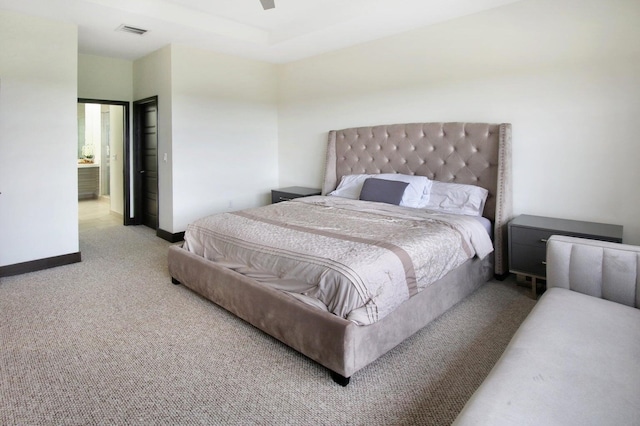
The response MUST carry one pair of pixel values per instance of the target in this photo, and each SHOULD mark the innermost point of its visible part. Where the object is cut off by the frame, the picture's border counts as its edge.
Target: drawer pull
(543, 240)
(544, 262)
(285, 199)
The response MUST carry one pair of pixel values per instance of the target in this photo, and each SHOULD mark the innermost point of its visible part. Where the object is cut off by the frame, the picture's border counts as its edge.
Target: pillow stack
(415, 192)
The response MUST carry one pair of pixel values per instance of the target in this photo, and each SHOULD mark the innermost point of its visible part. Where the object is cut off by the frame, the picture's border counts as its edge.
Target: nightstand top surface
(566, 225)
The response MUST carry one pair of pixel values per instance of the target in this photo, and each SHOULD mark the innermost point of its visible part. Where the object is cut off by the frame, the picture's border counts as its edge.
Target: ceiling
(295, 29)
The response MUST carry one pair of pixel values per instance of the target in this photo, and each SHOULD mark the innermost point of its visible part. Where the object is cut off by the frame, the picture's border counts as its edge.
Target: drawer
(291, 192)
(278, 196)
(528, 259)
(531, 237)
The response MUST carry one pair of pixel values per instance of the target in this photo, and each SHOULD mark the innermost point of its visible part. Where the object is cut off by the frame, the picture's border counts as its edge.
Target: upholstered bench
(575, 360)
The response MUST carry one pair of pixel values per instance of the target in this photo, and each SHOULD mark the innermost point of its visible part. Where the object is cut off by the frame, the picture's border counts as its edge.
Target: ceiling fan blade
(268, 4)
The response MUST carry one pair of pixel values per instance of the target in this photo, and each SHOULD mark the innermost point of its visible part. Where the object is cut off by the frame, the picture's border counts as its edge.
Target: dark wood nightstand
(291, 192)
(528, 237)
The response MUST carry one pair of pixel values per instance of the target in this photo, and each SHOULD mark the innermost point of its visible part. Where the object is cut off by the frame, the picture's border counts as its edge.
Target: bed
(464, 153)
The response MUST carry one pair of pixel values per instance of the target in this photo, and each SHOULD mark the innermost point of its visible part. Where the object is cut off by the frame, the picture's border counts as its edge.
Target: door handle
(142, 171)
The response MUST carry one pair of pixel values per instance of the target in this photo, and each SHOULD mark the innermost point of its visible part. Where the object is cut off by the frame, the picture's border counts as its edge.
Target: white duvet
(356, 259)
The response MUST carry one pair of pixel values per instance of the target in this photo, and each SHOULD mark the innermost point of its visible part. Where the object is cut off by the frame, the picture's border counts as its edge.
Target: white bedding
(356, 259)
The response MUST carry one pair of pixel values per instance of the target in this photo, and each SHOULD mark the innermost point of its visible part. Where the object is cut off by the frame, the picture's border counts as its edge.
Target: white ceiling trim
(293, 30)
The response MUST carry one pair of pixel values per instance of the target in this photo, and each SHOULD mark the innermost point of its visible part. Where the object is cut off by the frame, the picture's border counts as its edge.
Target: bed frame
(471, 153)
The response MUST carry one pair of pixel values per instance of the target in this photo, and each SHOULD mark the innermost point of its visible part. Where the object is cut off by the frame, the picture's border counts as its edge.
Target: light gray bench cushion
(574, 361)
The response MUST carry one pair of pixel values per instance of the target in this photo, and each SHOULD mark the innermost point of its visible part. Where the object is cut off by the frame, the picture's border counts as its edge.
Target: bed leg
(174, 281)
(340, 379)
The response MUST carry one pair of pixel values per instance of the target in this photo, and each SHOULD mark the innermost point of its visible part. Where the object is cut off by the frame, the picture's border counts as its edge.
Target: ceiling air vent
(132, 30)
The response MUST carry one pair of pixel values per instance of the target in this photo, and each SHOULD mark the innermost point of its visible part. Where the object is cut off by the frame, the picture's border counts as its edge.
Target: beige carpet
(111, 341)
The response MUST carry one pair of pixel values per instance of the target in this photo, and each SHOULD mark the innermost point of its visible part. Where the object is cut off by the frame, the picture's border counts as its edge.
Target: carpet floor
(110, 340)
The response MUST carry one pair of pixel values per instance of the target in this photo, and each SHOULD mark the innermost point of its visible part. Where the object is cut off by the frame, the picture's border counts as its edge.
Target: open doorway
(103, 138)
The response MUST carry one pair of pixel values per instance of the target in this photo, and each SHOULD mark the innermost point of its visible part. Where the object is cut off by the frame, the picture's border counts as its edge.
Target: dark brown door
(146, 114)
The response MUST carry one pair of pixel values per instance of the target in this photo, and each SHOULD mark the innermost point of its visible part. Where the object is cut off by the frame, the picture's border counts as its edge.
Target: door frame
(126, 154)
(138, 112)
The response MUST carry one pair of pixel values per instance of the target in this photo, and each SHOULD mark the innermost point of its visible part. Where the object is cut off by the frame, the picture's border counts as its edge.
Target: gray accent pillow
(383, 191)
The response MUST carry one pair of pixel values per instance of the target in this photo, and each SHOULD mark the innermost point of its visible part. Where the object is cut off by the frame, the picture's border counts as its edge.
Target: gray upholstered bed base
(340, 345)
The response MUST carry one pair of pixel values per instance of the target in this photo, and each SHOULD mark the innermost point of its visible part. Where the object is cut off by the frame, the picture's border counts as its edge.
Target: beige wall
(105, 78)
(38, 139)
(152, 77)
(217, 128)
(566, 74)
(225, 134)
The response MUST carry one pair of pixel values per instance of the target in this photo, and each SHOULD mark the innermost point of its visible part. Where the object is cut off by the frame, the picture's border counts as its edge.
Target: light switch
(165, 157)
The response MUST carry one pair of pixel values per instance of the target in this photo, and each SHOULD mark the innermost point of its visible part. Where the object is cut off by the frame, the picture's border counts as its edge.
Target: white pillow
(350, 186)
(457, 198)
(415, 195)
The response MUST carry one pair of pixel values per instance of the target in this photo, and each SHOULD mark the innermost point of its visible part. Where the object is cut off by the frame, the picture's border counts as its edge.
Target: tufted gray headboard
(470, 153)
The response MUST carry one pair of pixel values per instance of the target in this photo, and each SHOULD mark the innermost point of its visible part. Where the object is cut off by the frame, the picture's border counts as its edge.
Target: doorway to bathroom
(102, 154)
